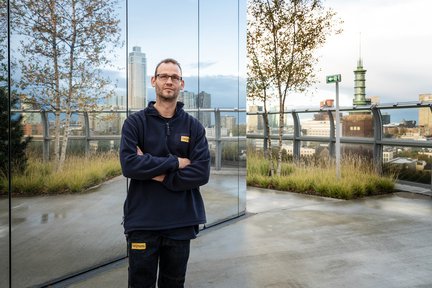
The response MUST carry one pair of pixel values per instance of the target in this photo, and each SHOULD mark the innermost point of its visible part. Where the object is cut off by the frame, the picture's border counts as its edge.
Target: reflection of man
(165, 153)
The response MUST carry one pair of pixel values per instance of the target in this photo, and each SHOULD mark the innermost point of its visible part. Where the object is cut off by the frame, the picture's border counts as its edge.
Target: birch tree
(259, 82)
(64, 45)
(286, 35)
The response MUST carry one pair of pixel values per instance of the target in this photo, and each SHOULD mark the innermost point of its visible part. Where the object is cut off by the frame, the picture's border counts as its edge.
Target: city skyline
(395, 53)
(391, 50)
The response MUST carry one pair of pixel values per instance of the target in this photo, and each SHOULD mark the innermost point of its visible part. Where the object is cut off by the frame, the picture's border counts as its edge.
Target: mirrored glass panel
(69, 106)
(219, 89)
(4, 151)
(67, 195)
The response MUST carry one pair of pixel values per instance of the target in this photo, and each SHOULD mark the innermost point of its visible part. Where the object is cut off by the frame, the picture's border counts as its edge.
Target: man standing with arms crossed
(165, 154)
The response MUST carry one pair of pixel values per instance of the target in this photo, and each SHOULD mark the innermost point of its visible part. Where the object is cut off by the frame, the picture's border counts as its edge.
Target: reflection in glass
(62, 88)
(219, 89)
(65, 232)
(4, 149)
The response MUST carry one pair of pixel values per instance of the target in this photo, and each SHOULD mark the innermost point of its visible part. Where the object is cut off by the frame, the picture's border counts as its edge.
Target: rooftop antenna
(360, 81)
(360, 59)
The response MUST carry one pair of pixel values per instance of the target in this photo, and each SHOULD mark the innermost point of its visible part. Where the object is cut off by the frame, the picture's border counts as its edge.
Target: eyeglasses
(164, 77)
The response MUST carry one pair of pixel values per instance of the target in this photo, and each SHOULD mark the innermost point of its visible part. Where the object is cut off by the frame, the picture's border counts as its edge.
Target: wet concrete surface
(56, 236)
(295, 240)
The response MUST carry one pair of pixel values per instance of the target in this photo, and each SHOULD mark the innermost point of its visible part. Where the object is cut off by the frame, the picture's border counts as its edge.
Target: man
(165, 154)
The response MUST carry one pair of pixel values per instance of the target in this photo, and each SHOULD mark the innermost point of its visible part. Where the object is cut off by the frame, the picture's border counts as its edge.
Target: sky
(393, 39)
(171, 30)
(396, 42)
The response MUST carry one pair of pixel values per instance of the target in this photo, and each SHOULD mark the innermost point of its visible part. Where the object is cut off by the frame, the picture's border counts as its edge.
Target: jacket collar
(152, 111)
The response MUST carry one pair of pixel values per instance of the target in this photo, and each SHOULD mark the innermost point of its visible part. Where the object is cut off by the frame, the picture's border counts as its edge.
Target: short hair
(168, 60)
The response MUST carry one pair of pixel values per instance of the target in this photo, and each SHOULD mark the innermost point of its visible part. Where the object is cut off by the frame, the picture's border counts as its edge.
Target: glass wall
(66, 213)
(219, 88)
(66, 218)
(4, 150)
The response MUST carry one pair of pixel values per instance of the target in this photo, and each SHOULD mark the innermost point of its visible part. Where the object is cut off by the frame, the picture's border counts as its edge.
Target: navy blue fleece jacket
(175, 202)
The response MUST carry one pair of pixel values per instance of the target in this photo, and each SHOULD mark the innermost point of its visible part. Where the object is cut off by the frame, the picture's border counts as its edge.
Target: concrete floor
(54, 236)
(294, 240)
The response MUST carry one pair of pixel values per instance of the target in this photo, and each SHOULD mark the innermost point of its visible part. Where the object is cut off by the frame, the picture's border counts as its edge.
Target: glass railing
(396, 138)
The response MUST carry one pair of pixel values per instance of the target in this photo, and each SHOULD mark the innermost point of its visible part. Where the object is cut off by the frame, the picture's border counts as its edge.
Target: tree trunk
(64, 141)
(269, 152)
(281, 129)
(70, 93)
(57, 137)
(56, 85)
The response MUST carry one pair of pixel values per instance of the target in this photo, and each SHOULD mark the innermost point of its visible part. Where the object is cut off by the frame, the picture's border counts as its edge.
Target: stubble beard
(168, 98)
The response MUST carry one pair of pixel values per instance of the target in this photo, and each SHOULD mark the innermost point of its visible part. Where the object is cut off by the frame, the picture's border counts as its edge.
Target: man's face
(167, 82)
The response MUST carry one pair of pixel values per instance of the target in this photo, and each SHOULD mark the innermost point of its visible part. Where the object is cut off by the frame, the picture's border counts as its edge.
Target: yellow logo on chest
(184, 139)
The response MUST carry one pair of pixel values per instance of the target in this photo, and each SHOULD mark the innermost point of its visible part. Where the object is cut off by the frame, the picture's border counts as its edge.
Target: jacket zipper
(167, 133)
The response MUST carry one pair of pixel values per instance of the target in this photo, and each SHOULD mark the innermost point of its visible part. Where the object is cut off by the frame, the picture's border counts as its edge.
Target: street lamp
(336, 79)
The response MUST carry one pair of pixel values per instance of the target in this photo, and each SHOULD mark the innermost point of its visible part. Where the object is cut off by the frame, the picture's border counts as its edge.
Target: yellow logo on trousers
(139, 246)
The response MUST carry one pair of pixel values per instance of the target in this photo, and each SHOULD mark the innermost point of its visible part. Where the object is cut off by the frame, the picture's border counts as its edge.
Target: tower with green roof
(360, 85)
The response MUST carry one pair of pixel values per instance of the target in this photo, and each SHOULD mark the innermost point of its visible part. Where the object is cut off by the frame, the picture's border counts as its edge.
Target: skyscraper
(190, 102)
(194, 101)
(204, 101)
(425, 115)
(137, 85)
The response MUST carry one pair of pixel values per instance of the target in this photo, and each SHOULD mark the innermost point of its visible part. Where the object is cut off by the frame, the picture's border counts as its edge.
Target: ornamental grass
(358, 178)
(78, 174)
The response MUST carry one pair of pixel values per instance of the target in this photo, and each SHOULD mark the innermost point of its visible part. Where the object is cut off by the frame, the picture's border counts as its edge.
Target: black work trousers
(148, 251)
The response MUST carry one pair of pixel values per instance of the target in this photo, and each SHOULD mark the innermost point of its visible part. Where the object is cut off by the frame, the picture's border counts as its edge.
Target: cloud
(201, 65)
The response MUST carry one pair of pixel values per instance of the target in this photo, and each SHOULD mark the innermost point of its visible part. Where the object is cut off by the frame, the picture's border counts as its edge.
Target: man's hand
(183, 162)
(139, 152)
(159, 178)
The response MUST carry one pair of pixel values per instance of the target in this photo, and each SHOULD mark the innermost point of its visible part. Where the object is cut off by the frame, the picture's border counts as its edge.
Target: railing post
(266, 133)
(377, 146)
(87, 133)
(332, 149)
(46, 136)
(218, 148)
(296, 138)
